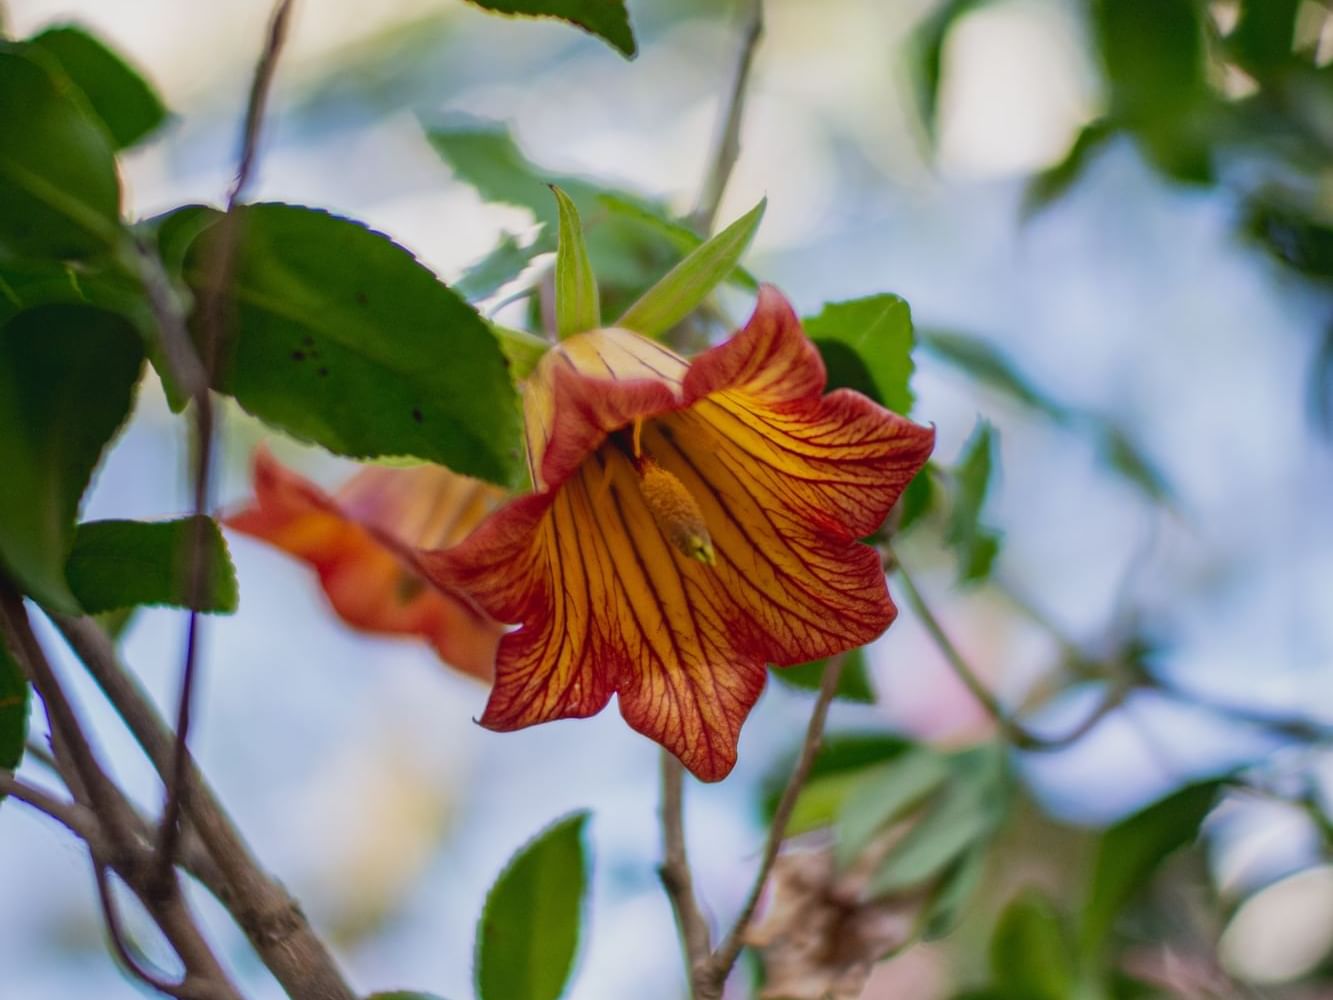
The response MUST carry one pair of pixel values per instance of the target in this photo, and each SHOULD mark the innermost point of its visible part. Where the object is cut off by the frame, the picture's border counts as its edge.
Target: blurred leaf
(967, 810)
(58, 180)
(25, 284)
(119, 564)
(530, 928)
(952, 893)
(920, 498)
(925, 57)
(342, 338)
(853, 685)
(1130, 852)
(839, 756)
(677, 294)
(1293, 235)
(1125, 458)
(1050, 184)
(878, 329)
(503, 264)
(606, 19)
(67, 380)
(119, 96)
(677, 233)
(115, 622)
(577, 307)
(881, 796)
(1030, 956)
(1264, 34)
(522, 350)
(14, 699)
(974, 545)
(989, 367)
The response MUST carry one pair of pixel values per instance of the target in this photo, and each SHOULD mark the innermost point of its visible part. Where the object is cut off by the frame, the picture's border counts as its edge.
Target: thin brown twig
(271, 920)
(677, 879)
(120, 945)
(722, 961)
(213, 319)
(727, 148)
(79, 820)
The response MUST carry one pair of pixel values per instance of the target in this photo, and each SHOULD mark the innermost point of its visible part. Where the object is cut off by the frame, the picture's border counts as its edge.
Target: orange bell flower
(355, 540)
(692, 522)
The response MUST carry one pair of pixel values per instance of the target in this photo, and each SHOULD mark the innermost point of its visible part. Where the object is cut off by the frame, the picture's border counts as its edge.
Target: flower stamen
(675, 510)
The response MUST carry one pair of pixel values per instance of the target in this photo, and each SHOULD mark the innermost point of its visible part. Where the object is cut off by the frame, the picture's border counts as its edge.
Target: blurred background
(1163, 480)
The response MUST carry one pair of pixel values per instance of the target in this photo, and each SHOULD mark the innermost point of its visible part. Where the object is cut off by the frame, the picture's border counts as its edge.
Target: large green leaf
(867, 346)
(577, 305)
(14, 698)
(529, 930)
(58, 182)
(975, 545)
(118, 95)
(606, 19)
(853, 683)
(342, 338)
(67, 378)
(120, 564)
(1030, 954)
(1131, 851)
(679, 293)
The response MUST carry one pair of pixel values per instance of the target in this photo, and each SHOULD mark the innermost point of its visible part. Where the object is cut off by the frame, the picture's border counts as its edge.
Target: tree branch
(271, 920)
(79, 820)
(675, 869)
(727, 146)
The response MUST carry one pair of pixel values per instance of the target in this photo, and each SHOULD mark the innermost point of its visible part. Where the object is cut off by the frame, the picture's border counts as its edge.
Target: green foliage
(653, 217)
(974, 545)
(67, 379)
(606, 19)
(502, 265)
(529, 931)
(1050, 184)
(14, 698)
(677, 294)
(925, 57)
(1264, 34)
(342, 338)
(853, 684)
(577, 305)
(522, 350)
(119, 96)
(1030, 953)
(119, 564)
(1130, 852)
(58, 180)
(867, 346)
(833, 773)
(884, 794)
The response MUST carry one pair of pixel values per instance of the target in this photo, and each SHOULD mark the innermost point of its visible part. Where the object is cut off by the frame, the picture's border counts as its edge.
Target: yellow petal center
(675, 511)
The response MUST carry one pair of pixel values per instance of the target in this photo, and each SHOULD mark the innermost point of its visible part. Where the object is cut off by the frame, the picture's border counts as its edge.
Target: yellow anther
(675, 511)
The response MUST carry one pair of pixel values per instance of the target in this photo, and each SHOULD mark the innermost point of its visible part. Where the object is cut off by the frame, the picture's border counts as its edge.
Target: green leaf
(920, 498)
(14, 699)
(577, 308)
(607, 19)
(503, 264)
(119, 96)
(1125, 457)
(853, 685)
(952, 893)
(529, 930)
(882, 795)
(678, 234)
(688, 283)
(1030, 955)
(925, 57)
(67, 379)
(1265, 34)
(989, 367)
(968, 810)
(522, 350)
(120, 564)
(342, 338)
(1131, 851)
(58, 179)
(974, 545)
(840, 756)
(878, 332)
(1050, 184)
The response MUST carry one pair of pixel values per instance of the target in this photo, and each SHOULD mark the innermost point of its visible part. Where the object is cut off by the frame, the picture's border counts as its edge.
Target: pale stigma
(675, 511)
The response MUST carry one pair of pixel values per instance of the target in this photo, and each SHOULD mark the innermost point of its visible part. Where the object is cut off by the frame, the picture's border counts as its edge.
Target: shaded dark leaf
(118, 95)
(973, 544)
(1030, 951)
(507, 261)
(925, 57)
(529, 930)
(120, 564)
(67, 380)
(878, 332)
(882, 795)
(853, 684)
(14, 699)
(1264, 34)
(607, 19)
(841, 756)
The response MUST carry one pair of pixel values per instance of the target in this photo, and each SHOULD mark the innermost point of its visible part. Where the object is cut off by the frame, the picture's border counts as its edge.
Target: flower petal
(371, 586)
